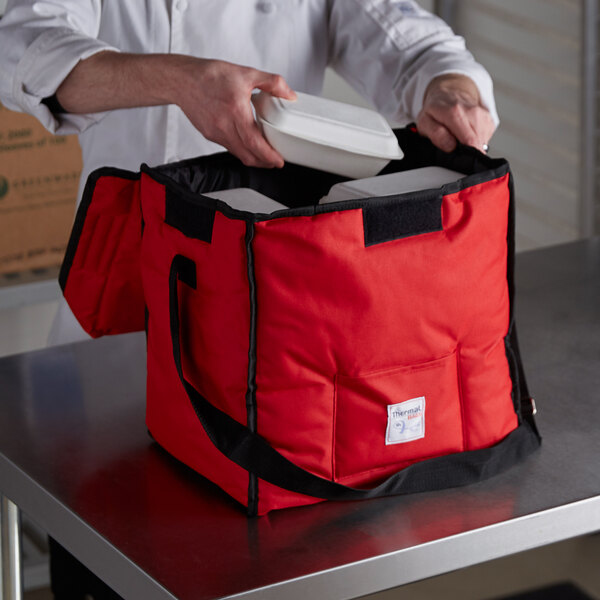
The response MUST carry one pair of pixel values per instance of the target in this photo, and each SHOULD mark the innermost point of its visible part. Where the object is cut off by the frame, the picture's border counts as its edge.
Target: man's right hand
(213, 94)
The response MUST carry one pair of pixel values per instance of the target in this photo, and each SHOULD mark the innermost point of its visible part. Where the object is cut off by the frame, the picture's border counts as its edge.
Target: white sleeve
(40, 43)
(389, 51)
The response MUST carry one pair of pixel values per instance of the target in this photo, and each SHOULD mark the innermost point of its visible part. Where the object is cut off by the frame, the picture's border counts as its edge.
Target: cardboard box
(39, 178)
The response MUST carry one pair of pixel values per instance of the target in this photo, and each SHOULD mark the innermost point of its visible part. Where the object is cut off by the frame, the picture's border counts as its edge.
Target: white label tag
(406, 421)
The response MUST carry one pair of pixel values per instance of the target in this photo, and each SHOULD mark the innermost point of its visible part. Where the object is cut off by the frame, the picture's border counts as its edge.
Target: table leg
(11, 572)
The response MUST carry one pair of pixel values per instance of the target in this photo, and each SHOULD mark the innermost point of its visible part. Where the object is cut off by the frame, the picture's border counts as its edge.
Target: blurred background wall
(542, 55)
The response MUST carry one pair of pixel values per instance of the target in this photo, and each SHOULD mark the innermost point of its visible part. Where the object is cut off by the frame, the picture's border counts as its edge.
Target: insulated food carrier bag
(336, 351)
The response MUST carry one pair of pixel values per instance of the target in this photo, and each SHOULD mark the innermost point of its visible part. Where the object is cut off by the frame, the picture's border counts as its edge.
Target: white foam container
(328, 135)
(247, 199)
(392, 184)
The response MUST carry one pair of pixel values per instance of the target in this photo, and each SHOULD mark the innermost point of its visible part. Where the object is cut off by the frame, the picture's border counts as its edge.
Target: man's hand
(452, 111)
(215, 95)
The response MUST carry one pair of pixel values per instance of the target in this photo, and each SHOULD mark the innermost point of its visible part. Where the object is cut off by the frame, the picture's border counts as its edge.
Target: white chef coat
(387, 50)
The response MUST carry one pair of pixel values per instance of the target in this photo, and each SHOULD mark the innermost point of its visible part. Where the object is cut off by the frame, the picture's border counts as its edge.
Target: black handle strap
(253, 453)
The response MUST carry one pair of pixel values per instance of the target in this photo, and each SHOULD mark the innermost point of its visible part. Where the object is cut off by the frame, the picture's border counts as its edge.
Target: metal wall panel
(534, 51)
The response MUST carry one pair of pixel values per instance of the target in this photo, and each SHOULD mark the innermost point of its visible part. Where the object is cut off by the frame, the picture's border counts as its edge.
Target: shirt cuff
(473, 71)
(44, 67)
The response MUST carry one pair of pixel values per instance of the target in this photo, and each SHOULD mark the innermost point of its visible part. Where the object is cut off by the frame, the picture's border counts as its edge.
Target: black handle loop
(253, 453)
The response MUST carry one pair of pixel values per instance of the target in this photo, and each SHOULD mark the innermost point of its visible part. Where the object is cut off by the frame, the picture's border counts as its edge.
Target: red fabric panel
(485, 384)
(271, 497)
(331, 309)
(360, 427)
(104, 286)
(215, 332)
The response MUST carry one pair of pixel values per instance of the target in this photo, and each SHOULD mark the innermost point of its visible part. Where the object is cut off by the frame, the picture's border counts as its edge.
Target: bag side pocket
(389, 419)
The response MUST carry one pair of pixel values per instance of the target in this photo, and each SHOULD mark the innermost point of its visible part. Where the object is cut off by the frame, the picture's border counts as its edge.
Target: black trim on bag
(86, 200)
(402, 218)
(251, 408)
(253, 453)
(190, 218)
(520, 391)
(419, 152)
(311, 210)
(184, 270)
(511, 244)
(521, 396)
(511, 357)
(513, 368)
(146, 321)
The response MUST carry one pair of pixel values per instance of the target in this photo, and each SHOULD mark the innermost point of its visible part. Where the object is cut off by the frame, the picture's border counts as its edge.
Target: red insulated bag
(326, 351)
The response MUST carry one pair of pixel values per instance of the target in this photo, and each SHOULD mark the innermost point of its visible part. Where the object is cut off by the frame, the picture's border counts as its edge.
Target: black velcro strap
(192, 219)
(392, 220)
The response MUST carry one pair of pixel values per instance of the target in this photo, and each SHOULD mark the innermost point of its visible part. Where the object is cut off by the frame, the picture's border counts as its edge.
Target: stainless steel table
(75, 455)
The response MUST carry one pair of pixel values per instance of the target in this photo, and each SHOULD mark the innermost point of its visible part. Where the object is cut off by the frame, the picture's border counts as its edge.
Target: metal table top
(75, 455)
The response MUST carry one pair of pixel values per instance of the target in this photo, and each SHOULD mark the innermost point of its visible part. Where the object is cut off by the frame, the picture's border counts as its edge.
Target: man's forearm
(213, 94)
(111, 80)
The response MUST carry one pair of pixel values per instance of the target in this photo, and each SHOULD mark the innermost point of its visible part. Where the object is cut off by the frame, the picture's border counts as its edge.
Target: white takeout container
(392, 184)
(328, 135)
(247, 199)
